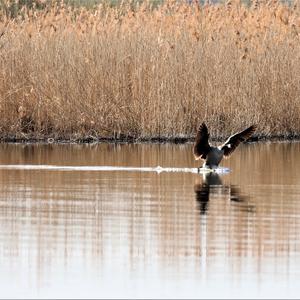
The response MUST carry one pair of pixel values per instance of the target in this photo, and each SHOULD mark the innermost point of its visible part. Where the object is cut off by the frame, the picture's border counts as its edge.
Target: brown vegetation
(111, 72)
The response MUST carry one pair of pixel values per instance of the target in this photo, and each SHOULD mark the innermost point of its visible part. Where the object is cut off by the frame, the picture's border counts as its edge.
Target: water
(79, 230)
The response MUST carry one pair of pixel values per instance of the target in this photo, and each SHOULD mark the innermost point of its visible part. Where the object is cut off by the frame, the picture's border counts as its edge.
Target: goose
(212, 156)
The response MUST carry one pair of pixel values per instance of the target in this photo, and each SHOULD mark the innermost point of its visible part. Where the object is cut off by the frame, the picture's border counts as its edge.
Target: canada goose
(212, 156)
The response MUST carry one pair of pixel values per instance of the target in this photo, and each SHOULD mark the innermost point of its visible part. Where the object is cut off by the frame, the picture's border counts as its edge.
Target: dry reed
(143, 72)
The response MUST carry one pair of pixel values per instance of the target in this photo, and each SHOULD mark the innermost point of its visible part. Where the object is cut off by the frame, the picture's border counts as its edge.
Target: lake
(83, 232)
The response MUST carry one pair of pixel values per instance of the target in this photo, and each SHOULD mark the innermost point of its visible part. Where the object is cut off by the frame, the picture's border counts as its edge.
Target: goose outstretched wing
(201, 147)
(234, 140)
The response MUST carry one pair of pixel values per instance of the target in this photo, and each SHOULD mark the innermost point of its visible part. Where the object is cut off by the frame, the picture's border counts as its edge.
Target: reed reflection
(58, 226)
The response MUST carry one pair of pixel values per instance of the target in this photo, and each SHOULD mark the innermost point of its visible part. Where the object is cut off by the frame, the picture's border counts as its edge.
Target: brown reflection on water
(212, 186)
(168, 225)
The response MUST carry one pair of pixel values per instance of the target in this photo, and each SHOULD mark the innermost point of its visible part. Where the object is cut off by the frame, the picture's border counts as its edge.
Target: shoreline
(133, 140)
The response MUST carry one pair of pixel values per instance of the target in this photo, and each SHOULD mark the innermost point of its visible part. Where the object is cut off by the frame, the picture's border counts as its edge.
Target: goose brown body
(212, 156)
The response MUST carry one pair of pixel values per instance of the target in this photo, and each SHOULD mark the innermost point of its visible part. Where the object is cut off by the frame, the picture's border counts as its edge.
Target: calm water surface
(135, 234)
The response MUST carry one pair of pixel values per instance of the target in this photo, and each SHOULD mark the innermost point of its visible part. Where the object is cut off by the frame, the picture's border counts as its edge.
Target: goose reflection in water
(212, 186)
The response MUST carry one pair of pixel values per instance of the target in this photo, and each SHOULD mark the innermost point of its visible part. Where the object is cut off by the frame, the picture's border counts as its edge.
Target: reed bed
(142, 72)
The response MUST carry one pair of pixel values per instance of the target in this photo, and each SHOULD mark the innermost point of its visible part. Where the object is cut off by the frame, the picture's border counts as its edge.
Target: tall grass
(142, 72)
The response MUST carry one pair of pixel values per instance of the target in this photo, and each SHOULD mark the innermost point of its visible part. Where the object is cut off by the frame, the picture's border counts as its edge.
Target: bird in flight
(212, 156)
